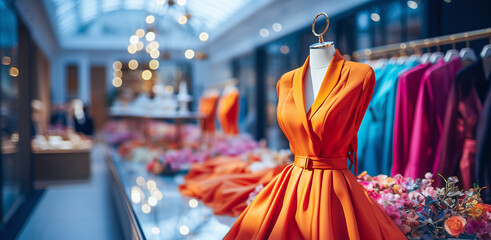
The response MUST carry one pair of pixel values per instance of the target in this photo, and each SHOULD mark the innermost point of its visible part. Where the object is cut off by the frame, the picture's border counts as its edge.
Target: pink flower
(429, 191)
(429, 176)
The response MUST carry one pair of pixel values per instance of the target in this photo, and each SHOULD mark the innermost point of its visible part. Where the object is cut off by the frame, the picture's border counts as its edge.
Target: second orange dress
(317, 197)
(228, 112)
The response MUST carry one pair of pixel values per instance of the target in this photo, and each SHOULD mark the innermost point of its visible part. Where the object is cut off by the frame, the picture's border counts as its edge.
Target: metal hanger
(321, 43)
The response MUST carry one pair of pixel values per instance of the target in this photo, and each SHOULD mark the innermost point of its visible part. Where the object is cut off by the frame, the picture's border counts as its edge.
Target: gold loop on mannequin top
(321, 43)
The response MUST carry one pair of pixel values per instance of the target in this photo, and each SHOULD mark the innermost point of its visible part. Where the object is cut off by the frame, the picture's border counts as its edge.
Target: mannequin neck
(321, 57)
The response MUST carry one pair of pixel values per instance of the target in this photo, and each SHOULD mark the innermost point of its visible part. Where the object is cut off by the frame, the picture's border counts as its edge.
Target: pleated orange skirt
(314, 204)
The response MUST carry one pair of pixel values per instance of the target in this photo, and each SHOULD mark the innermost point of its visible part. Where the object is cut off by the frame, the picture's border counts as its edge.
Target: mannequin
(320, 58)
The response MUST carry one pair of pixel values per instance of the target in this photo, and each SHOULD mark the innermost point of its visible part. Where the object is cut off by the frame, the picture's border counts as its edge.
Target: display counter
(151, 207)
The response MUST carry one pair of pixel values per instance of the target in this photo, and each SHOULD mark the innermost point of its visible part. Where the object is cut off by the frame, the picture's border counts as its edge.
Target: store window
(244, 70)
(281, 57)
(11, 169)
(414, 20)
(363, 30)
(393, 15)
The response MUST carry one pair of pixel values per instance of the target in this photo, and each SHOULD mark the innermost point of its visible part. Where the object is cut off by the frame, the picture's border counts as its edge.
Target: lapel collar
(298, 93)
(330, 80)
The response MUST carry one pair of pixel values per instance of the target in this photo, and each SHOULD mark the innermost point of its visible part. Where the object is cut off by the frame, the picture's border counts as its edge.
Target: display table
(61, 166)
(151, 207)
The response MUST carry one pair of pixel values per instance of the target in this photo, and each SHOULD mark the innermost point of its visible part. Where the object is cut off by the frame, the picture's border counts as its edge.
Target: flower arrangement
(423, 211)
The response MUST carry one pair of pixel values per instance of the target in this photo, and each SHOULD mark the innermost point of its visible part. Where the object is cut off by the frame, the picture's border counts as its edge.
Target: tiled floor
(81, 211)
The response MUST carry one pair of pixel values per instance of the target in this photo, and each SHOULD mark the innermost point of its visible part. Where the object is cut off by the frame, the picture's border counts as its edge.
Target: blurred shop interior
(106, 105)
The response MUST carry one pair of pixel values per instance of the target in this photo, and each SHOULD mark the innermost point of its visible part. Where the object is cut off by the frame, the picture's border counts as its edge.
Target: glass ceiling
(73, 16)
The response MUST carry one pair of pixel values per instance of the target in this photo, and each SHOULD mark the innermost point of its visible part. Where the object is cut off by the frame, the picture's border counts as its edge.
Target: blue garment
(378, 123)
(368, 118)
(387, 154)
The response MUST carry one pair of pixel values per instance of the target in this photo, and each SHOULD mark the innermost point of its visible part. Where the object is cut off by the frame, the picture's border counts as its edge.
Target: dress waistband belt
(336, 163)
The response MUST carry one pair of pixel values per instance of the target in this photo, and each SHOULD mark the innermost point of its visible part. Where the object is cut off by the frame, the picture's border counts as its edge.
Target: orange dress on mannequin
(228, 112)
(208, 107)
(317, 197)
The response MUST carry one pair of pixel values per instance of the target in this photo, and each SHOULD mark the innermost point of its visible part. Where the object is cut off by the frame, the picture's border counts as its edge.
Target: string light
(117, 73)
(132, 49)
(181, 2)
(150, 19)
(139, 46)
(153, 45)
(140, 33)
(146, 75)
(153, 64)
(146, 208)
(117, 65)
(203, 36)
(150, 36)
(133, 39)
(182, 20)
(133, 64)
(117, 82)
(154, 53)
(189, 54)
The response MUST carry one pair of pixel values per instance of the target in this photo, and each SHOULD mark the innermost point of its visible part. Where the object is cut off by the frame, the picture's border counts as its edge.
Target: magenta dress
(429, 117)
(458, 153)
(407, 94)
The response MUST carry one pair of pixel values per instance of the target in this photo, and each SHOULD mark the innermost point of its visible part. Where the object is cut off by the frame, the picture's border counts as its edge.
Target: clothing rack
(427, 43)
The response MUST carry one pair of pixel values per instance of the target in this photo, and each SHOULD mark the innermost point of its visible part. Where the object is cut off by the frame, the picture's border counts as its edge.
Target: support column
(84, 80)
(58, 81)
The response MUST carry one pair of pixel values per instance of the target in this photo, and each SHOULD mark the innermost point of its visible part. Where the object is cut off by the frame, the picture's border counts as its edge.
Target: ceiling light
(117, 65)
(132, 48)
(133, 39)
(412, 4)
(150, 19)
(6, 60)
(189, 54)
(13, 71)
(277, 27)
(375, 17)
(117, 82)
(140, 33)
(184, 230)
(181, 2)
(182, 20)
(150, 36)
(154, 53)
(146, 208)
(133, 64)
(156, 230)
(284, 49)
(204, 36)
(160, 2)
(264, 32)
(146, 75)
(153, 64)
